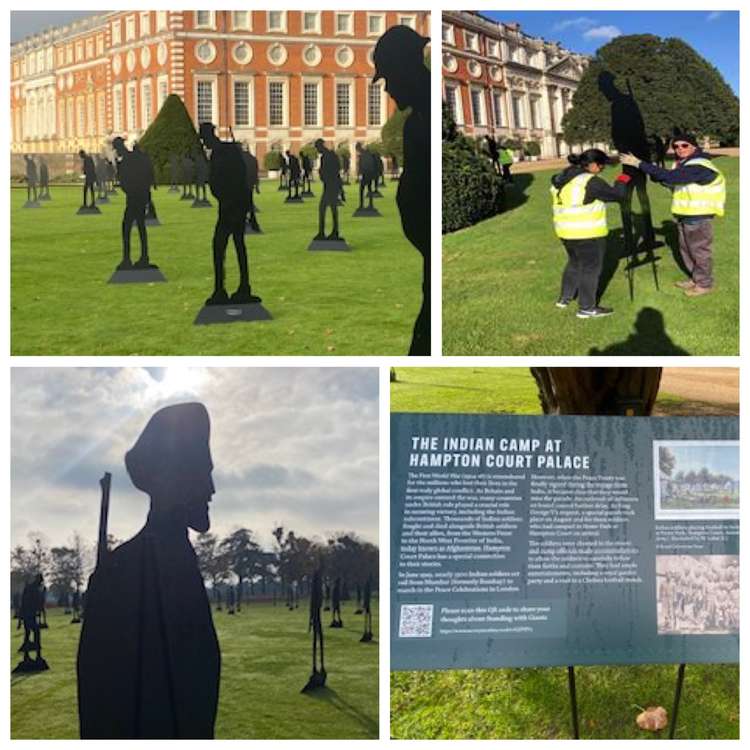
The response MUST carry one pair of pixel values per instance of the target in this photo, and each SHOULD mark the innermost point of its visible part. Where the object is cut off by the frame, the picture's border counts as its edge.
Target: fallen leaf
(653, 719)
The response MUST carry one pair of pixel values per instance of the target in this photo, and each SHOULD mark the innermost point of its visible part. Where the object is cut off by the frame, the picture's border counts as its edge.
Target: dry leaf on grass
(653, 719)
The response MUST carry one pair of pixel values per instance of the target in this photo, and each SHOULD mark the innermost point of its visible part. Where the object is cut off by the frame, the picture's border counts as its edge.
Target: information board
(560, 540)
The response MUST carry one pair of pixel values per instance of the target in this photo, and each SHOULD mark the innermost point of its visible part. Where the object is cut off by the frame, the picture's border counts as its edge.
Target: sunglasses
(682, 145)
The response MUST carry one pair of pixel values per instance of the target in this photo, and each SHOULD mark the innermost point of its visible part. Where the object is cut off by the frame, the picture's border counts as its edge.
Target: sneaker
(685, 284)
(698, 291)
(562, 303)
(595, 312)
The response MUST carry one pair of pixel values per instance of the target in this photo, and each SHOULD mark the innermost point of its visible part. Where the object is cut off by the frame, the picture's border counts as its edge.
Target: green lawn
(502, 390)
(323, 303)
(501, 278)
(533, 703)
(265, 663)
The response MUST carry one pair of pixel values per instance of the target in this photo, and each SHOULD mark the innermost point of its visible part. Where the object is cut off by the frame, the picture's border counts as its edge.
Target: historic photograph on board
(696, 479)
(251, 182)
(590, 182)
(194, 553)
(698, 594)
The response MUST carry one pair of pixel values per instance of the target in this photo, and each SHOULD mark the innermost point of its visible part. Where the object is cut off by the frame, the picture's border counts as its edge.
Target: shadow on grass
(649, 338)
(330, 696)
(21, 676)
(515, 193)
(613, 254)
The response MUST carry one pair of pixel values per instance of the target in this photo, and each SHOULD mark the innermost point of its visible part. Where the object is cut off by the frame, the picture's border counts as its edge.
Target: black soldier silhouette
(201, 178)
(294, 176)
(283, 171)
(629, 136)
(228, 182)
(188, 175)
(111, 177)
(366, 606)
(174, 172)
(394, 168)
(76, 607)
(318, 676)
(399, 59)
(152, 220)
(100, 169)
(89, 182)
(31, 182)
(43, 609)
(253, 186)
(307, 169)
(380, 182)
(330, 176)
(358, 588)
(346, 165)
(327, 595)
(135, 173)
(148, 658)
(336, 621)
(493, 153)
(29, 611)
(231, 600)
(43, 180)
(368, 174)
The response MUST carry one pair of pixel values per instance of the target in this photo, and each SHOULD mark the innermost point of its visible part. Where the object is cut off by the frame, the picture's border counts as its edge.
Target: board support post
(573, 701)
(677, 696)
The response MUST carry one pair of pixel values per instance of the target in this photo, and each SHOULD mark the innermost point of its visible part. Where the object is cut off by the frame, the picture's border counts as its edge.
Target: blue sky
(713, 34)
(723, 459)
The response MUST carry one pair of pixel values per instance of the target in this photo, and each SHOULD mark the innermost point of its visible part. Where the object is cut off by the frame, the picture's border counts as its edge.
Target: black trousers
(581, 274)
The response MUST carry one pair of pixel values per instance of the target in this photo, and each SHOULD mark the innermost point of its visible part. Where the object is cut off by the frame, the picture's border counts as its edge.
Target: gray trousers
(696, 240)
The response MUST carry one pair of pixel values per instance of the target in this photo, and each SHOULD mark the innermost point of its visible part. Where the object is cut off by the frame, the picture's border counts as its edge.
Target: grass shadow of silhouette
(328, 695)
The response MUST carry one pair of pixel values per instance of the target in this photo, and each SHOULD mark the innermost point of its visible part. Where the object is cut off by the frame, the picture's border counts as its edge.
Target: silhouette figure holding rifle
(148, 658)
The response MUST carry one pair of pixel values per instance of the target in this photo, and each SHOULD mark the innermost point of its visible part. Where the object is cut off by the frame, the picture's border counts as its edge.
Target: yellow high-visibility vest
(506, 156)
(700, 200)
(573, 219)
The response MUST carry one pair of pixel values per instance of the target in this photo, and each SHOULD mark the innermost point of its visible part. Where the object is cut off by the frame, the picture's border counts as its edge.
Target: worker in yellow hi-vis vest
(698, 194)
(580, 216)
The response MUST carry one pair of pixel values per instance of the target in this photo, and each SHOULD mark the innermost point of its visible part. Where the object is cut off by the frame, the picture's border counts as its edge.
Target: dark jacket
(681, 175)
(596, 188)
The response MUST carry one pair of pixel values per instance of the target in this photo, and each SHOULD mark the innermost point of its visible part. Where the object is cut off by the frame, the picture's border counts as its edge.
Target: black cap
(680, 135)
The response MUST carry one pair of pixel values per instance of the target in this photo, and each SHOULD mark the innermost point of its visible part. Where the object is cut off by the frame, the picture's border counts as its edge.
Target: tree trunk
(623, 391)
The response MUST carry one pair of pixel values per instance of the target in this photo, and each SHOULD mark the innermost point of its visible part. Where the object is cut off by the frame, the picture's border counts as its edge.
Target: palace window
(344, 23)
(471, 40)
(374, 104)
(145, 23)
(204, 99)
(204, 19)
(311, 22)
(276, 95)
(131, 112)
(497, 107)
(343, 104)
(129, 28)
(410, 21)
(453, 98)
(161, 20)
(477, 106)
(242, 103)
(147, 111)
(519, 121)
(100, 113)
(81, 117)
(311, 104)
(375, 24)
(241, 20)
(117, 108)
(116, 32)
(162, 91)
(276, 20)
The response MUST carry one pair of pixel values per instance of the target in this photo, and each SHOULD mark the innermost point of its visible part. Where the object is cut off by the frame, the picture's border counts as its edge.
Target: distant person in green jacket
(506, 161)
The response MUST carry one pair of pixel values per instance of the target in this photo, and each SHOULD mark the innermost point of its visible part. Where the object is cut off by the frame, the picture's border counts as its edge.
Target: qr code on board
(416, 621)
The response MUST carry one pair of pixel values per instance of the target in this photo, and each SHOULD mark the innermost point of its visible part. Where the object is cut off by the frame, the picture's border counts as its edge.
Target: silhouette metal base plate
(31, 665)
(326, 244)
(88, 210)
(188, 197)
(316, 680)
(32, 204)
(103, 199)
(136, 276)
(211, 314)
(307, 194)
(152, 221)
(201, 203)
(297, 199)
(367, 211)
(366, 638)
(377, 194)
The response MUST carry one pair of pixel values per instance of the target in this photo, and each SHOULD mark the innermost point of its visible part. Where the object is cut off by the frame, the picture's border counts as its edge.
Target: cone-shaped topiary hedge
(172, 132)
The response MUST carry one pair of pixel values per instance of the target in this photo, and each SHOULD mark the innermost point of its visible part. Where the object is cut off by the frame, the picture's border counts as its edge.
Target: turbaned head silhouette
(171, 462)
